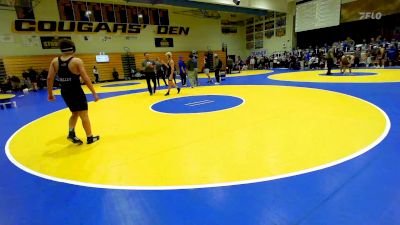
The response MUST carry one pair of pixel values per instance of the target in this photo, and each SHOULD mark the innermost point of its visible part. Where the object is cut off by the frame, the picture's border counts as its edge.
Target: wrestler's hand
(51, 98)
(96, 97)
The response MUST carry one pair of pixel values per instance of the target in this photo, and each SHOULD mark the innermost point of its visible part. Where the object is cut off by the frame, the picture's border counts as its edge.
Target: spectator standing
(217, 69)
(182, 70)
(148, 70)
(96, 74)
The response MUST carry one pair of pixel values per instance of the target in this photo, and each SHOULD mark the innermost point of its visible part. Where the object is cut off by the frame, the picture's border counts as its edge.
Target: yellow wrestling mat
(371, 76)
(242, 73)
(115, 86)
(6, 96)
(277, 132)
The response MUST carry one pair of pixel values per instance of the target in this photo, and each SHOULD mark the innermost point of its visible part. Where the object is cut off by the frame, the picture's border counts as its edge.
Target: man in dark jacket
(217, 68)
(115, 74)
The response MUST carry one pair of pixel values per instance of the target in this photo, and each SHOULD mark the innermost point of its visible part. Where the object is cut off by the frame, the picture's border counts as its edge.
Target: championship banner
(51, 42)
(229, 30)
(261, 52)
(6, 38)
(164, 42)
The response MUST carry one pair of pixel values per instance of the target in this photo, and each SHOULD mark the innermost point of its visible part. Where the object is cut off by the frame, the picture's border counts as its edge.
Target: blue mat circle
(197, 104)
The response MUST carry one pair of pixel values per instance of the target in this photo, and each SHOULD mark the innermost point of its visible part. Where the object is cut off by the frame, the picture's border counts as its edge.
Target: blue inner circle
(352, 74)
(120, 85)
(197, 104)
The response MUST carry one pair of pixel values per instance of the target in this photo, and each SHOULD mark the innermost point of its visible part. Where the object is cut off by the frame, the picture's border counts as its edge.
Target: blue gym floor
(361, 191)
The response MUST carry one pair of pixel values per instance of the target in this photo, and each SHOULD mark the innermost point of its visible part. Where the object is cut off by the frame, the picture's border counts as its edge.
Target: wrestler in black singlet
(71, 89)
(169, 70)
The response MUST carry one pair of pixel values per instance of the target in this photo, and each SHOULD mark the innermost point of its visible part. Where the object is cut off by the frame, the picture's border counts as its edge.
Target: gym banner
(92, 27)
(164, 42)
(229, 30)
(51, 42)
(368, 9)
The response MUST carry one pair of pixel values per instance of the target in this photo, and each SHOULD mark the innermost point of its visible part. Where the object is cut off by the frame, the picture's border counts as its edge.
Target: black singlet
(71, 89)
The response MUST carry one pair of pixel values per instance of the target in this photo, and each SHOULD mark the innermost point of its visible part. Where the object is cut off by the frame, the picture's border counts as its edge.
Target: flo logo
(370, 15)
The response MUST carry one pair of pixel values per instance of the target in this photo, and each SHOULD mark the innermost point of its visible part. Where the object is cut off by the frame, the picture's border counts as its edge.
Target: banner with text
(164, 42)
(51, 42)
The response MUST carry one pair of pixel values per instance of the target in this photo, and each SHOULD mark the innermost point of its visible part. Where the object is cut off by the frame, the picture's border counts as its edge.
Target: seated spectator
(252, 62)
(26, 84)
(33, 78)
(275, 61)
(266, 62)
(15, 83)
(321, 62)
(313, 62)
(115, 74)
(392, 55)
(42, 79)
(6, 85)
(368, 57)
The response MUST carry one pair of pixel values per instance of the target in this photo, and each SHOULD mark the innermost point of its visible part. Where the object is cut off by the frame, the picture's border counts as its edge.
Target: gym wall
(204, 34)
(277, 42)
